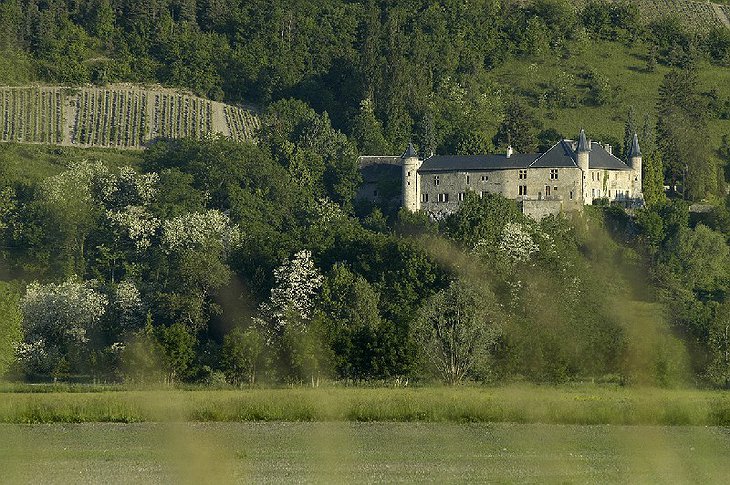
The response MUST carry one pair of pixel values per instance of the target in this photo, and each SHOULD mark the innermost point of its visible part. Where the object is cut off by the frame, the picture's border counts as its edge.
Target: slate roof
(410, 152)
(600, 158)
(635, 151)
(374, 173)
(560, 155)
(582, 143)
(455, 163)
(366, 160)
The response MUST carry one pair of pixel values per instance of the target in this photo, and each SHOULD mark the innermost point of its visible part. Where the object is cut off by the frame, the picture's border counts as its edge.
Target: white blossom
(137, 224)
(196, 230)
(74, 182)
(516, 243)
(326, 211)
(62, 312)
(292, 299)
(128, 305)
(128, 188)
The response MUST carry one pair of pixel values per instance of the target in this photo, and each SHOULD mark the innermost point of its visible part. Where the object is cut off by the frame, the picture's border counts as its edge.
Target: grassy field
(585, 404)
(362, 452)
(631, 84)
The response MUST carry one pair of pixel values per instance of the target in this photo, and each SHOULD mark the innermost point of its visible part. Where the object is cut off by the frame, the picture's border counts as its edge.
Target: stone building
(568, 176)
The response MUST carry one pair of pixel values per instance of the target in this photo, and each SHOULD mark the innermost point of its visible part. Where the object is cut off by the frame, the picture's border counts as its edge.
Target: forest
(219, 262)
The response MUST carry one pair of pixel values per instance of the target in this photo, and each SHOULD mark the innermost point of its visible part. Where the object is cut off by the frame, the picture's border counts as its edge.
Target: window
(593, 176)
(443, 197)
(409, 173)
(555, 189)
(485, 178)
(462, 196)
(436, 180)
(481, 194)
(523, 175)
(547, 191)
(467, 179)
(522, 190)
(593, 192)
(553, 174)
(424, 197)
(571, 195)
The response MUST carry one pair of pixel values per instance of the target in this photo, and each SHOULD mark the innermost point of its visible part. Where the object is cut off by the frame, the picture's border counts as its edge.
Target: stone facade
(566, 177)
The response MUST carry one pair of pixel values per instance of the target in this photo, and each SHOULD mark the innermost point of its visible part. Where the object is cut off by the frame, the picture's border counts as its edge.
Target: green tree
(243, 352)
(352, 324)
(718, 370)
(455, 330)
(10, 326)
(368, 132)
(682, 135)
(517, 128)
(177, 351)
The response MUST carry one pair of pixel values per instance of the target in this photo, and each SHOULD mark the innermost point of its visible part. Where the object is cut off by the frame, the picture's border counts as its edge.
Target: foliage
(242, 355)
(57, 322)
(11, 332)
(455, 330)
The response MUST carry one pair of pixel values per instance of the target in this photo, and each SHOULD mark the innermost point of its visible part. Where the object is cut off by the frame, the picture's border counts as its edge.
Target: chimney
(609, 149)
(509, 151)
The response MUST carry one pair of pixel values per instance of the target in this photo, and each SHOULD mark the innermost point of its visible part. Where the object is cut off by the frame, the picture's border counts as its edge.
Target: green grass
(31, 163)
(362, 452)
(631, 84)
(584, 404)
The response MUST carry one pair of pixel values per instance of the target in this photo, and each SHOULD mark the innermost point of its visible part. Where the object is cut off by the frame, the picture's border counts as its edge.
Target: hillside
(115, 116)
(702, 15)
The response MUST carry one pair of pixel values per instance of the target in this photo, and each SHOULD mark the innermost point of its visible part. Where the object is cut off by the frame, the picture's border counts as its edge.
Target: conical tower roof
(635, 151)
(582, 143)
(410, 151)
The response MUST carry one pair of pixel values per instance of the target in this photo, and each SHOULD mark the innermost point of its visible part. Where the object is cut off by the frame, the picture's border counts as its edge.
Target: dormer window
(436, 180)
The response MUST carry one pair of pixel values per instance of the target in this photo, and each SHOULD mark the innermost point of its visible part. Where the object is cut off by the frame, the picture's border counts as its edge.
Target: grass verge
(518, 404)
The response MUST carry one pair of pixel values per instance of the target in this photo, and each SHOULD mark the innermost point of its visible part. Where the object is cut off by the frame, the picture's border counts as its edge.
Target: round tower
(411, 192)
(582, 152)
(635, 164)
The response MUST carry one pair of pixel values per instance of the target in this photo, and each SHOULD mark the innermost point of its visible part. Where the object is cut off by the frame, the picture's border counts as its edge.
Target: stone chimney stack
(509, 151)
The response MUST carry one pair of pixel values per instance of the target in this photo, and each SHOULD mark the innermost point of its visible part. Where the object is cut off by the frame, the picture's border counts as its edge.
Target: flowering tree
(127, 307)
(516, 243)
(286, 316)
(292, 298)
(136, 223)
(57, 319)
(199, 230)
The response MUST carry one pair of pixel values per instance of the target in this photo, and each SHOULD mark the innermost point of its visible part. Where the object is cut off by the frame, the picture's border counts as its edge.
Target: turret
(635, 164)
(411, 190)
(582, 152)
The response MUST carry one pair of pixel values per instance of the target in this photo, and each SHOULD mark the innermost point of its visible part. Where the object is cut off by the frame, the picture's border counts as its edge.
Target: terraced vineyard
(120, 116)
(32, 115)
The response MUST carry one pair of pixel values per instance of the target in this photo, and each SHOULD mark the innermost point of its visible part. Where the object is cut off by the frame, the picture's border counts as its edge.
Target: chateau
(568, 176)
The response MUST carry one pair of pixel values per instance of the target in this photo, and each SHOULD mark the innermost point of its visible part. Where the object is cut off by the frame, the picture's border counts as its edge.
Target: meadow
(326, 452)
(581, 404)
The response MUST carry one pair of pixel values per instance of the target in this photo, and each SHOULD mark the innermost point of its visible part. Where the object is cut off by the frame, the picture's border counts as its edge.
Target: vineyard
(122, 116)
(699, 15)
(31, 115)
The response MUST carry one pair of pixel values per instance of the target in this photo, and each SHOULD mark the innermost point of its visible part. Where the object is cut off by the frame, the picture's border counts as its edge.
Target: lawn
(362, 452)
